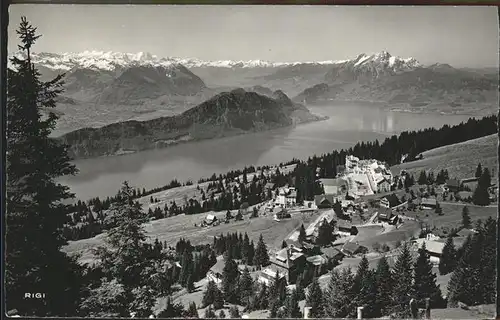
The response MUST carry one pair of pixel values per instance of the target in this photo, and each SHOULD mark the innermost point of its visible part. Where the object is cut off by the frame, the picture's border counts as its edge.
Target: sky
(460, 36)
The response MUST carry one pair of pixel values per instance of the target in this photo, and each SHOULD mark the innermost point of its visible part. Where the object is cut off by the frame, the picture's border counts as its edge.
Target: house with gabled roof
(324, 201)
(289, 261)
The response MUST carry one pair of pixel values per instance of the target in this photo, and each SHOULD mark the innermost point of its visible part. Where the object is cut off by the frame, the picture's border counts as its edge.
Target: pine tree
(222, 314)
(209, 295)
(302, 234)
(403, 279)
(422, 179)
(209, 313)
(448, 259)
(245, 287)
(367, 296)
(466, 222)
(171, 310)
(261, 257)
(218, 299)
(126, 255)
(292, 306)
(230, 277)
(110, 294)
(35, 213)
(339, 294)
(192, 311)
(424, 280)
(262, 300)
(283, 245)
(299, 287)
(315, 300)
(479, 171)
(234, 313)
(384, 282)
(481, 196)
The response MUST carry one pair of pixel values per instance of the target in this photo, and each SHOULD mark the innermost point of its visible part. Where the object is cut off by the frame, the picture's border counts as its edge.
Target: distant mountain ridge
(112, 60)
(385, 78)
(228, 113)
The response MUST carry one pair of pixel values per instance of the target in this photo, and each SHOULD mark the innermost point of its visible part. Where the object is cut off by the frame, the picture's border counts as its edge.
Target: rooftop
(334, 182)
(317, 260)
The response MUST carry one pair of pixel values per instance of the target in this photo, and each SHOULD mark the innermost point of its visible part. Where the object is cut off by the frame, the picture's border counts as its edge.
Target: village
(361, 213)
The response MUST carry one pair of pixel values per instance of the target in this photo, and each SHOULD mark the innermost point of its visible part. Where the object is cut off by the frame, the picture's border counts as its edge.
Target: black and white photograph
(251, 161)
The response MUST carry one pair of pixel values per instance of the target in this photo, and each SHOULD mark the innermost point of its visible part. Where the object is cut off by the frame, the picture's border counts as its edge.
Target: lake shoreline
(346, 125)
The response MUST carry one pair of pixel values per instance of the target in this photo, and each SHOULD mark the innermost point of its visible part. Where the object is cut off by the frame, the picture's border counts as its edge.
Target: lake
(348, 124)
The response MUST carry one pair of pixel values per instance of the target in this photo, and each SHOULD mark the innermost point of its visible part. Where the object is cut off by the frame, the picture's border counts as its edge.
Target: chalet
(287, 197)
(324, 201)
(383, 185)
(428, 203)
(334, 186)
(465, 233)
(215, 273)
(350, 249)
(392, 201)
(346, 228)
(384, 215)
(469, 183)
(210, 219)
(268, 276)
(433, 247)
(453, 185)
(289, 262)
(333, 254)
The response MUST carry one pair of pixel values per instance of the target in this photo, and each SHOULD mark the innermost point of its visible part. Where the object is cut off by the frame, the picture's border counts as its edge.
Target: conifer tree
(339, 294)
(209, 294)
(245, 287)
(448, 258)
(422, 179)
(126, 255)
(367, 296)
(222, 314)
(209, 313)
(481, 196)
(234, 313)
(466, 222)
(315, 300)
(302, 234)
(35, 209)
(384, 282)
(171, 310)
(262, 297)
(192, 311)
(403, 279)
(424, 280)
(218, 299)
(230, 277)
(299, 287)
(479, 171)
(283, 245)
(292, 306)
(261, 257)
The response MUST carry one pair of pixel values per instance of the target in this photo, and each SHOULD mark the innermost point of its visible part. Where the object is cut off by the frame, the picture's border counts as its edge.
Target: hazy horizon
(272, 33)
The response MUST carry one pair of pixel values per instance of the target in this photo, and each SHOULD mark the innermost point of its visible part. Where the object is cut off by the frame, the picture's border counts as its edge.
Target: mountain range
(228, 113)
(107, 87)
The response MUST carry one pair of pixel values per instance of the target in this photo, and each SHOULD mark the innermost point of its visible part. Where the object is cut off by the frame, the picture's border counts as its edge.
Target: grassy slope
(459, 159)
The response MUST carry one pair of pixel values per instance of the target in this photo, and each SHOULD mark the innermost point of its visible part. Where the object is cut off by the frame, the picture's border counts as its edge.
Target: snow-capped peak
(384, 58)
(111, 60)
